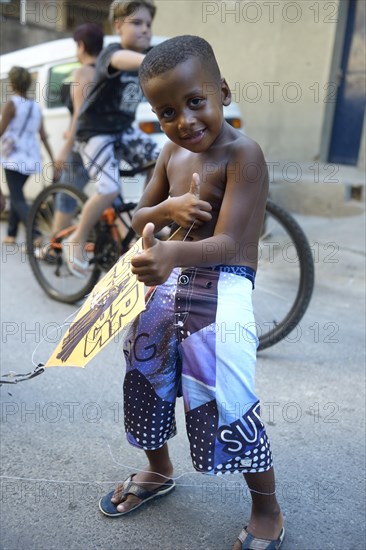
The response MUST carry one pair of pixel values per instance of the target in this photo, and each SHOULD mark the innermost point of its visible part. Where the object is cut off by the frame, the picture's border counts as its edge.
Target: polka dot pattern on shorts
(257, 459)
(148, 418)
(201, 429)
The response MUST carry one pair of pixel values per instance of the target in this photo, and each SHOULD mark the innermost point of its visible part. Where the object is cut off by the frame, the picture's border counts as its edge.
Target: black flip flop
(131, 488)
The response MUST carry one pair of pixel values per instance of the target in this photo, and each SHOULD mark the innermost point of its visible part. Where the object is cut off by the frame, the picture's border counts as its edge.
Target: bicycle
(284, 281)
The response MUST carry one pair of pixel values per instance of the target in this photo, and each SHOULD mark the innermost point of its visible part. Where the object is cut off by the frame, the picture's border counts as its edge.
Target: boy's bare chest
(211, 171)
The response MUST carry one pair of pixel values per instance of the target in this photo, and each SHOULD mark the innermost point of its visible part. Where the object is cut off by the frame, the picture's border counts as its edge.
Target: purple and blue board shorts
(197, 339)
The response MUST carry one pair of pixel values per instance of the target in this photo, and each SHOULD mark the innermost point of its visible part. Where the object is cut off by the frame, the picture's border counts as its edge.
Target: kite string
(53, 330)
(109, 482)
(14, 378)
(127, 466)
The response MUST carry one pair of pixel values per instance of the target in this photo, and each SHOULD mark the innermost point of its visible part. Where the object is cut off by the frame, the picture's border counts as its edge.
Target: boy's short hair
(120, 9)
(91, 35)
(20, 79)
(170, 53)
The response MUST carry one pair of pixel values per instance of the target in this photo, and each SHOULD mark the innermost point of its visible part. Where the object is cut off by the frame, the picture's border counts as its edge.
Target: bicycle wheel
(45, 248)
(285, 278)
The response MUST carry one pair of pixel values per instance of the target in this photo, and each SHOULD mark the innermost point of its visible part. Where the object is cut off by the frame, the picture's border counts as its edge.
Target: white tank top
(23, 129)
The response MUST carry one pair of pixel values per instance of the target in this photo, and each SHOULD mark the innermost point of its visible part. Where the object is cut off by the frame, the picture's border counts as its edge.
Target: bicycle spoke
(47, 259)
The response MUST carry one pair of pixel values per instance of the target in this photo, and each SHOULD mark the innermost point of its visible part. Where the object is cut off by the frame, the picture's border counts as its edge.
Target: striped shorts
(197, 339)
(100, 160)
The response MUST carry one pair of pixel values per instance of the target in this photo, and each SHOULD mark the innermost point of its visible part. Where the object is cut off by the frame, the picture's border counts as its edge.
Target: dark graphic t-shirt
(111, 104)
(65, 92)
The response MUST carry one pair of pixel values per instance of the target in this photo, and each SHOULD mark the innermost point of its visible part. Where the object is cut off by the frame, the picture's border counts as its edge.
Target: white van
(50, 64)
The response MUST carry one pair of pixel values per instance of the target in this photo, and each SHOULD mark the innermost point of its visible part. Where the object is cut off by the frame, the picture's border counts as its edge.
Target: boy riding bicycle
(106, 117)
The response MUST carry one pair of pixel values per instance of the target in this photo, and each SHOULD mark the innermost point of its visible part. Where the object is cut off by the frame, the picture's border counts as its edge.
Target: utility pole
(23, 12)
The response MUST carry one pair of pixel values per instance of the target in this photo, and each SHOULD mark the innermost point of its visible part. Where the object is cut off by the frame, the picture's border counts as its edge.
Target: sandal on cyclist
(76, 267)
(46, 254)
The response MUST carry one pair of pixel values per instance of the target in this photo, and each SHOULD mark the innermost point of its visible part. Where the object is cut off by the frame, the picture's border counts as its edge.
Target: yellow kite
(115, 301)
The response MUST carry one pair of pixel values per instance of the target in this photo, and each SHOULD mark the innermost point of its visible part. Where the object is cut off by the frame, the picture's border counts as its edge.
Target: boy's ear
(116, 25)
(225, 93)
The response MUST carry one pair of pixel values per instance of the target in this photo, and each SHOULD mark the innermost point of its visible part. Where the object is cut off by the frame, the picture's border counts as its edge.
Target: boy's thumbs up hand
(195, 185)
(148, 239)
(188, 209)
(154, 264)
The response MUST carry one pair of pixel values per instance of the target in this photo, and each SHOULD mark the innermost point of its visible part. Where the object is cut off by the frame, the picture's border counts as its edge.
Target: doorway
(348, 119)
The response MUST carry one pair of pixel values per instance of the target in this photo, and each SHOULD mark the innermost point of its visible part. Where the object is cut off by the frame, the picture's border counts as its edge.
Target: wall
(276, 56)
(14, 36)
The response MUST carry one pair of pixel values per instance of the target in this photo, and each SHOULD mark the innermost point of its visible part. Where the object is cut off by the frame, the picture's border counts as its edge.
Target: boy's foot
(262, 532)
(253, 543)
(37, 242)
(76, 266)
(130, 495)
(9, 240)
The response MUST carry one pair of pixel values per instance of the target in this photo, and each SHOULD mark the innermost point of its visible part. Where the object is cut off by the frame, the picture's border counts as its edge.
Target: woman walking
(21, 123)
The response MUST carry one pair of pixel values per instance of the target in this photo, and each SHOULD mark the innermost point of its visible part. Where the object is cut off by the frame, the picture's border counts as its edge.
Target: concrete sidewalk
(316, 188)
(58, 464)
(347, 231)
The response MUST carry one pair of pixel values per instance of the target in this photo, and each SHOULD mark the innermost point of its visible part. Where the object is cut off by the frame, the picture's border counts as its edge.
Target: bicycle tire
(46, 261)
(284, 282)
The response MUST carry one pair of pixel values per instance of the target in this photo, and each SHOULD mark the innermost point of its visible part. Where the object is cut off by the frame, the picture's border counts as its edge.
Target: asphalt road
(62, 441)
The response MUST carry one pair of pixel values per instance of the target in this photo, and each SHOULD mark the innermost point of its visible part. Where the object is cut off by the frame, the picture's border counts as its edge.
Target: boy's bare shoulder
(172, 153)
(245, 162)
(245, 149)
(169, 148)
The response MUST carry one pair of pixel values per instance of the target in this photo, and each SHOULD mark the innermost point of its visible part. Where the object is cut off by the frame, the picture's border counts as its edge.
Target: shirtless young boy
(197, 336)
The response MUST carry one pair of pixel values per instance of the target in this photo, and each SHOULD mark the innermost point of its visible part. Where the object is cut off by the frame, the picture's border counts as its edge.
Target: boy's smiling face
(188, 101)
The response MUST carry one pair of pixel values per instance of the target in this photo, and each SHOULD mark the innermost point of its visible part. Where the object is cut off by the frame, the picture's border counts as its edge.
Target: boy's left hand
(154, 265)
